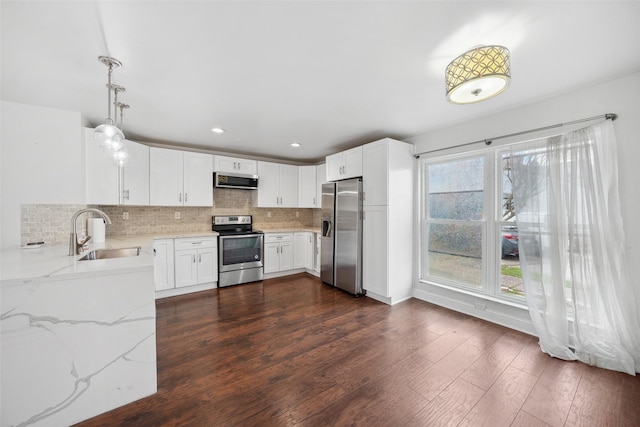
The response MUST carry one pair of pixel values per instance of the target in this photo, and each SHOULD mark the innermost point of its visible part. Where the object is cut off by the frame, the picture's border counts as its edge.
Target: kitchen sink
(111, 253)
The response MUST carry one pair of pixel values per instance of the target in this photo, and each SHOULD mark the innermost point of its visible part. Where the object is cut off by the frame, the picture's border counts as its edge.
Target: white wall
(42, 161)
(618, 96)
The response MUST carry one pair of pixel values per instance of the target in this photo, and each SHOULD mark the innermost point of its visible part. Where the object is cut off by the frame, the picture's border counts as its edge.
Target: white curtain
(572, 248)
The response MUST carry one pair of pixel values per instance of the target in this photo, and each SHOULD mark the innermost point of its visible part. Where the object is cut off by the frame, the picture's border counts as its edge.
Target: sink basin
(111, 253)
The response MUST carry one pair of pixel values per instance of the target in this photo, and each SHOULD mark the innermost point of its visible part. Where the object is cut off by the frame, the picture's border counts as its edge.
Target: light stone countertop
(289, 229)
(21, 265)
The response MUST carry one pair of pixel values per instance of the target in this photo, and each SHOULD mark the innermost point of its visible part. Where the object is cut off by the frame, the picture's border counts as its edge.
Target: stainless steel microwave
(235, 180)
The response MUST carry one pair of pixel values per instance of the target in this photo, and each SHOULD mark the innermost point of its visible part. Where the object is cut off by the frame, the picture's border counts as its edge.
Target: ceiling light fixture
(478, 74)
(121, 156)
(108, 134)
(217, 130)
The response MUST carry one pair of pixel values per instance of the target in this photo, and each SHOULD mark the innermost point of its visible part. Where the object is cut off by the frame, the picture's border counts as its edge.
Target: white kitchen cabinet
(304, 250)
(343, 165)
(388, 220)
(196, 261)
(163, 264)
(278, 252)
(316, 265)
(307, 187)
(321, 178)
(235, 164)
(277, 186)
(109, 184)
(180, 178)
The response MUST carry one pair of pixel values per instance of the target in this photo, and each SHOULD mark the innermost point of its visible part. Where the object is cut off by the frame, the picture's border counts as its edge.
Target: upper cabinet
(109, 184)
(387, 164)
(235, 164)
(307, 187)
(277, 186)
(321, 178)
(180, 178)
(343, 165)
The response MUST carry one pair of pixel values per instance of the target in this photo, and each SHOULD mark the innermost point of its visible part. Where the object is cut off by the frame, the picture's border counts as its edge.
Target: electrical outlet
(269, 214)
(480, 305)
(125, 215)
(177, 215)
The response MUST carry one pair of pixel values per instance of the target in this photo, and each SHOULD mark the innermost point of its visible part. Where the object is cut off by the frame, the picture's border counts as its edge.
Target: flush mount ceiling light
(478, 74)
(108, 135)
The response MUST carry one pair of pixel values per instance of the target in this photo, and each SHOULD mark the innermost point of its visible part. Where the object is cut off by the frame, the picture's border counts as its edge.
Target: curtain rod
(488, 141)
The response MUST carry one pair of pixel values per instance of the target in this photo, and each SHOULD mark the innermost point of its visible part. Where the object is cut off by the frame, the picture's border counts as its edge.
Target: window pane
(455, 253)
(511, 283)
(456, 190)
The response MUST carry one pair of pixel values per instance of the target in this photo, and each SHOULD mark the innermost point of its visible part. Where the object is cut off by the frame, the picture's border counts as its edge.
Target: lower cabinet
(184, 262)
(278, 252)
(304, 250)
(196, 261)
(163, 266)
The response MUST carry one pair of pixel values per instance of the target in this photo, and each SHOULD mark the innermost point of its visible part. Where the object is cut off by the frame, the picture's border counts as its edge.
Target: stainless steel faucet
(74, 245)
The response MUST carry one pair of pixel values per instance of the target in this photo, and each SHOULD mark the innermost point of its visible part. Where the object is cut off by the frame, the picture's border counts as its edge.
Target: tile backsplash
(50, 223)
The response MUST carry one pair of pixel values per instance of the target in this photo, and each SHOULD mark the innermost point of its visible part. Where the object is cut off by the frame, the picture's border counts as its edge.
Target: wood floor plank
(449, 407)
(293, 352)
(553, 395)
(499, 406)
(589, 406)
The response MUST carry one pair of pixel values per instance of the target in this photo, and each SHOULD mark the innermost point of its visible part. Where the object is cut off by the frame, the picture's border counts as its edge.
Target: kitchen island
(77, 337)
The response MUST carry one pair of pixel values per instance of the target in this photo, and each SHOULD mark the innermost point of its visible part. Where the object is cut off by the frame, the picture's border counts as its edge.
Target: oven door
(240, 251)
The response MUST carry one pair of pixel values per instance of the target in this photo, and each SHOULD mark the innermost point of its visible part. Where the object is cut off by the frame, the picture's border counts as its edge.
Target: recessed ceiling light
(296, 144)
(217, 130)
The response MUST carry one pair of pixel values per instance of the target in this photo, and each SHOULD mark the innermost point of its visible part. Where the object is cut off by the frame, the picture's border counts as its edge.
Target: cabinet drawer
(194, 243)
(278, 237)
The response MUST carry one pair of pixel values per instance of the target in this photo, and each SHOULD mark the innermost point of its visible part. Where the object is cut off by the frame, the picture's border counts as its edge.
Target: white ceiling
(328, 74)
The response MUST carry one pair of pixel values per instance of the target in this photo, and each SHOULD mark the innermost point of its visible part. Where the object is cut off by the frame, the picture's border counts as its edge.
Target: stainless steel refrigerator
(341, 241)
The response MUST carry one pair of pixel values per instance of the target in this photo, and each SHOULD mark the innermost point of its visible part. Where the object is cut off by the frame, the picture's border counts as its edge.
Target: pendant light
(108, 135)
(478, 74)
(121, 156)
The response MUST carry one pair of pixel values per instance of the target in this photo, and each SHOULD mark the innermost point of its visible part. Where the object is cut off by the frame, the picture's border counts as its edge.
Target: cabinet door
(101, 174)
(352, 163)
(163, 272)
(250, 167)
(334, 166)
(288, 186)
(300, 249)
(307, 187)
(316, 266)
(286, 256)
(207, 265)
(321, 178)
(374, 250)
(186, 268)
(135, 175)
(311, 248)
(165, 177)
(375, 171)
(225, 164)
(271, 257)
(198, 179)
(268, 194)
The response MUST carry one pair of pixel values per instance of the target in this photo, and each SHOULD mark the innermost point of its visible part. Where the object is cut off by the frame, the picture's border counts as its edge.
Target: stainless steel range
(240, 250)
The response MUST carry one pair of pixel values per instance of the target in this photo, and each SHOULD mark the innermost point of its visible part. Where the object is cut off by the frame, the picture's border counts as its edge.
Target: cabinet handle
(199, 257)
(196, 243)
(194, 258)
(185, 197)
(314, 201)
(125, 194)
(180, 197)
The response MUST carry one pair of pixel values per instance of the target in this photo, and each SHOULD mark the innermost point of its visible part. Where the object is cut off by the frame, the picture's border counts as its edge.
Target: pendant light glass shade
(108, 135)
(478, 74)
(121, 156)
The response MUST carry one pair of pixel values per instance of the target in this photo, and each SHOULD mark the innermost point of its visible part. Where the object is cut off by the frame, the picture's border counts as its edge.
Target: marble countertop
(289, 229)
(26, 265)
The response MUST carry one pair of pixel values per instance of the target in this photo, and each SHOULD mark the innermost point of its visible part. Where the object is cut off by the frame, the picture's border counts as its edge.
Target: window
(469, 237)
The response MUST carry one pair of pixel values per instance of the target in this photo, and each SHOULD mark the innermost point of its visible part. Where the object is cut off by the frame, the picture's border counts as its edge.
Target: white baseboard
(486, 309)
(185, 290)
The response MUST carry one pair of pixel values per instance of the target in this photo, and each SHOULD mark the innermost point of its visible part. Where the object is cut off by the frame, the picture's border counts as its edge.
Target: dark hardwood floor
(292, 351)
